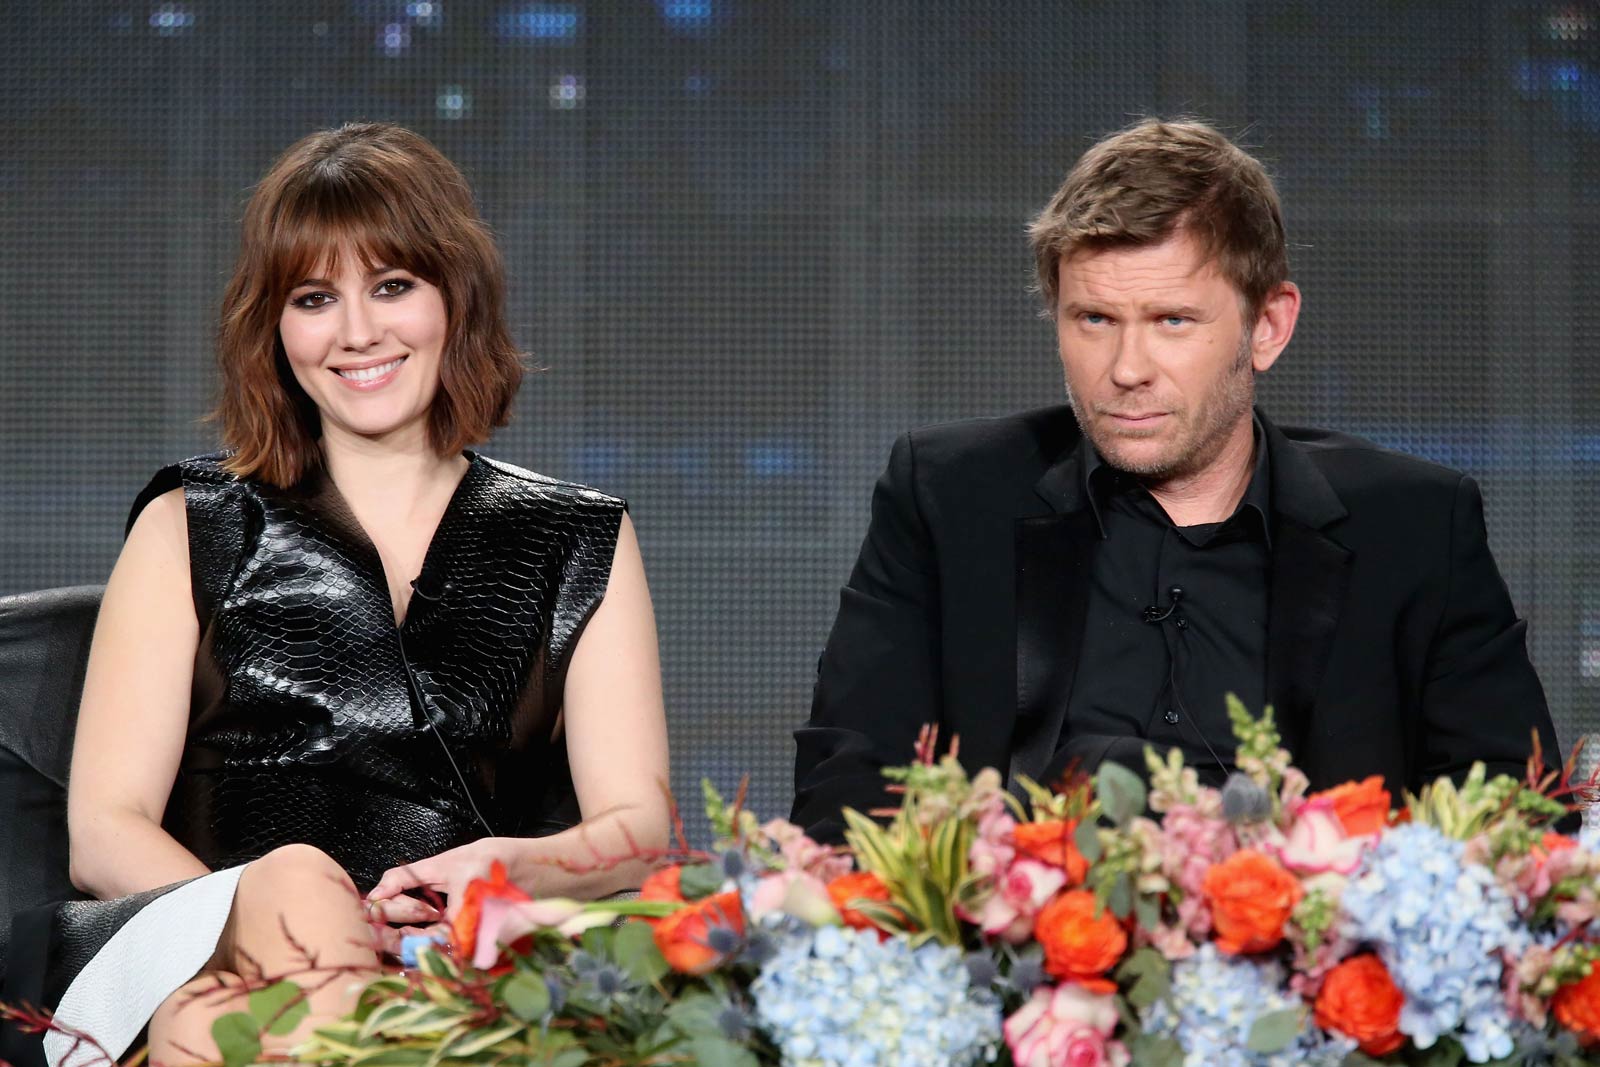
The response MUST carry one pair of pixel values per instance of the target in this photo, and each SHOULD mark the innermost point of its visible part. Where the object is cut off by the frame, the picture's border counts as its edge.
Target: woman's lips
(371, 376)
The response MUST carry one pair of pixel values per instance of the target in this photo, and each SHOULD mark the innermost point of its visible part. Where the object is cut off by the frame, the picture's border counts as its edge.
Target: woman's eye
(312, 301)
(393, 287)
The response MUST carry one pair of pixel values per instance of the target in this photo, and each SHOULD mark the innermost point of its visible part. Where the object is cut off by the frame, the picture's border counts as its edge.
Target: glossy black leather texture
(44, 646)
(316, 719)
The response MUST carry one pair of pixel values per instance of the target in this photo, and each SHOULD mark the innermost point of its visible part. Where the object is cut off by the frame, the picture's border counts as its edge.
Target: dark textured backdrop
(751, 241)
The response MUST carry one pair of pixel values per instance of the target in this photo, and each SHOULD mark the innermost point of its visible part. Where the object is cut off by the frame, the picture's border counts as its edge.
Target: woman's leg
(296, 915)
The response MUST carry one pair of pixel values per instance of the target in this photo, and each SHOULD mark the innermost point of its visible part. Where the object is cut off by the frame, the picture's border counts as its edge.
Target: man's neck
(1212, 493)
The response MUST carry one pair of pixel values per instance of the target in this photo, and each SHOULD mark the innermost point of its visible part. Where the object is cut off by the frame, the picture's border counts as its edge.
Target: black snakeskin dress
(316, 719)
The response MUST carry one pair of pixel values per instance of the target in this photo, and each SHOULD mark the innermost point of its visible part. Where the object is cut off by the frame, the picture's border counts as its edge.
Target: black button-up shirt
(1165, 679)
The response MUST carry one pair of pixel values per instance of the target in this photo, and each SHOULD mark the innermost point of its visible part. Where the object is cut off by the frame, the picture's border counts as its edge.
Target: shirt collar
(1099, 479)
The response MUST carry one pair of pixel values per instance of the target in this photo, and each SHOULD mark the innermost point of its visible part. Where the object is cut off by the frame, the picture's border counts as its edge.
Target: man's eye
(1174, 320)
(1093, 318)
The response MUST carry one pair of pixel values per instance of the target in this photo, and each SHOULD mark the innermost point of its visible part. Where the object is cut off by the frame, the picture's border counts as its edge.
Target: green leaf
(480, 1040)
(238, 1038)
(526, 996)
(1121, 793)
(716, 1051)
(1146, 912)
(1275, 1031)
(700, 880)
(392, 1056)
(1148, 1050)
(1358, 1058)
(1444, 1053)
(1150, 976)
(1120, 900)
(279, 1008)
(634, 947)
(1087, 838)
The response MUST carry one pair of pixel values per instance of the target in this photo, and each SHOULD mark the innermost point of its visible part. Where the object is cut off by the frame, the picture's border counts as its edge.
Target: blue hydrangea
(1439, 924)
(837, 997)
(1214, 1001)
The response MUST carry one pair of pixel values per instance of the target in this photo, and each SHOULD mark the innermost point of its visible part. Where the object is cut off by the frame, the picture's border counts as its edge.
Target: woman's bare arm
(135, 713)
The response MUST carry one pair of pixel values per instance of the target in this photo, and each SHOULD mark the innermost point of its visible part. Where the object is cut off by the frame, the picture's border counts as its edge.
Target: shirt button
(1171, 717)
(1183, 623)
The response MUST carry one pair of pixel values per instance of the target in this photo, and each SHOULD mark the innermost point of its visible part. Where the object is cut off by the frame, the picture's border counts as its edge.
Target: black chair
(44, 647)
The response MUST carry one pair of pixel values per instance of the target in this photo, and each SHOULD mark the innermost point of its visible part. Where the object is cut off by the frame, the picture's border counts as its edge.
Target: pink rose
(794, 892)
(799, 851)
(992, 851)
(1019, 894)
(1316, 842)
(1066, 1026)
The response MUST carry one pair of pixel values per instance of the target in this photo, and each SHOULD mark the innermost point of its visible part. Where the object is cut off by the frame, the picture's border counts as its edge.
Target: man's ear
(1274, 325)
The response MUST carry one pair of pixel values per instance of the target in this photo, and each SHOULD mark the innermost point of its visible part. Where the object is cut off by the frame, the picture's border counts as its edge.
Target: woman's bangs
(312, 244)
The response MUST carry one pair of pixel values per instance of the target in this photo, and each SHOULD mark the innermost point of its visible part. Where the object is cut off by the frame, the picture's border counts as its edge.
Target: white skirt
(143, 963)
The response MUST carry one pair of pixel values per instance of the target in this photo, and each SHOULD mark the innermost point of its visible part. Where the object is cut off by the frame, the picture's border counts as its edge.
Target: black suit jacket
(1392, 644)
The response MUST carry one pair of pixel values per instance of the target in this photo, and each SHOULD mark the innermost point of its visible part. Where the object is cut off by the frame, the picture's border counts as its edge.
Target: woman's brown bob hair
(390, 196)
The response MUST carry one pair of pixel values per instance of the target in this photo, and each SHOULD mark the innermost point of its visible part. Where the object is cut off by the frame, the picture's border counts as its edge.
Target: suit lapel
(1054, 554)
(1310, 574)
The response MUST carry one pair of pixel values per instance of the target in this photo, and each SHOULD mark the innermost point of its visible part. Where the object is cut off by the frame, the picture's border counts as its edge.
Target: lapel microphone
(429, 586)
(1155, 614)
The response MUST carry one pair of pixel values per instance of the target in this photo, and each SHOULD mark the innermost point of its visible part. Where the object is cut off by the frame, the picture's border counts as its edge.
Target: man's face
(1159, 365)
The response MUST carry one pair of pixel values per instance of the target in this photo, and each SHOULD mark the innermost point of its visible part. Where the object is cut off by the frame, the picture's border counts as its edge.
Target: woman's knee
(296, 874)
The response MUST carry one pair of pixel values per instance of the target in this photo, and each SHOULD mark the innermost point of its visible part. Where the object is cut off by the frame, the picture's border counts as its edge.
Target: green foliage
(1276, 1030)
(1121, 792)
(922, 864)
(238, 1038)
(279, 1008)
(1145, 976)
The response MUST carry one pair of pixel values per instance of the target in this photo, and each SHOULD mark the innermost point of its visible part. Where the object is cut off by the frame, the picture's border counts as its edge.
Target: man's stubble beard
(1230, 398)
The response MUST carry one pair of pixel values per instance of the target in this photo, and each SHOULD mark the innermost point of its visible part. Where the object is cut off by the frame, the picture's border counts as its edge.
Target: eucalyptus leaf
(700, 880)
(1443, 1053)
(1121, 793)
(1146, 912)
(1275, 1031)
(1120, 900)
(484, 1039)
(717, 1051)
(1357, 1058)
(1150, 976)
(1087, 839)
(634, 947)
(526, 996)
(1148, 1050)
(279, 1008)
(238, 1038)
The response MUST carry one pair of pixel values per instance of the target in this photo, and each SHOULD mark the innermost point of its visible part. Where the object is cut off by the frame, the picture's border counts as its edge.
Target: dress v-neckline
(338, 508)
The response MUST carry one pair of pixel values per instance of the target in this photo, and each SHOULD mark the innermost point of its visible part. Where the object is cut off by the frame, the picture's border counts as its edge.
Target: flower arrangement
(1103, 922)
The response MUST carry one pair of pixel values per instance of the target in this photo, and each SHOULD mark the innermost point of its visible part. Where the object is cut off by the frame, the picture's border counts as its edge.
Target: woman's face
(366, 346)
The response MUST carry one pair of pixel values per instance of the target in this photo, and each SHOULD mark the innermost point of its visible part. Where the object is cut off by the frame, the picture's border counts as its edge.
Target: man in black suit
(1068, 585)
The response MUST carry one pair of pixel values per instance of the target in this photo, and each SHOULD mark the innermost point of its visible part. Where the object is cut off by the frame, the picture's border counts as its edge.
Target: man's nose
(1131, 365)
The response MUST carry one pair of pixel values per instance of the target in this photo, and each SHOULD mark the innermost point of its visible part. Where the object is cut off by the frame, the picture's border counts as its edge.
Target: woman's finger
(403, 909)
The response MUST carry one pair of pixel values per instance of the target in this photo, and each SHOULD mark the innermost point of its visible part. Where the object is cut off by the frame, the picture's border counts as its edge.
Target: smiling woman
(345, 664)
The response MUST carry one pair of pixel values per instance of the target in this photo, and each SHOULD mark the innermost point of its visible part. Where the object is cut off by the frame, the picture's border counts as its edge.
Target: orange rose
(1577, 1006)
(1051, 842)
(1078, 945)
(663, 884)
(1360, 1000)
(684, 937)
(1250, 898)
(1552, 842)
(1362, 807)
(858, 885)
(464, 930)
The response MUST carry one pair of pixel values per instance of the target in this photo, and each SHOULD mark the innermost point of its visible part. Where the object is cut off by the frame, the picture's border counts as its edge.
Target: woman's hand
(446, 874)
